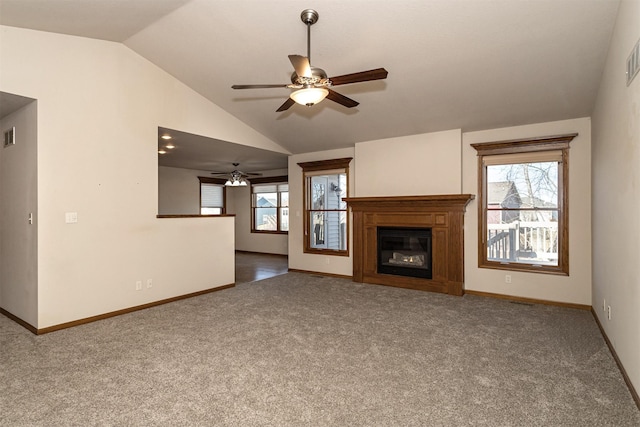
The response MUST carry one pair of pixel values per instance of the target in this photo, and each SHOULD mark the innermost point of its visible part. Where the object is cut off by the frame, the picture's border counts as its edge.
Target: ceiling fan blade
(341, 99)
(257, 86)
(301, 65)
(287, 104)
(363, 76)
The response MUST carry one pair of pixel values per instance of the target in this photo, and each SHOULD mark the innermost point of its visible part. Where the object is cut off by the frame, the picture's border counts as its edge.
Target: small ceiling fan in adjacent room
(311, 84)
(235, 178)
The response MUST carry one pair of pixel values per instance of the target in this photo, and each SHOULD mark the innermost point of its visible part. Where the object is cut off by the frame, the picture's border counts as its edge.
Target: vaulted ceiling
(470, 64)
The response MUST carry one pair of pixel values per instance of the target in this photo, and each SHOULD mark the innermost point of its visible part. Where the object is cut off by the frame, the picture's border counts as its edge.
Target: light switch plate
(71, 217)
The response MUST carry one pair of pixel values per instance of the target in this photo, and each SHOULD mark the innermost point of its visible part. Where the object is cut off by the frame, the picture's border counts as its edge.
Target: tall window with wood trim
(523, 220)
(270, 205)
(212, 196)
(326, 227)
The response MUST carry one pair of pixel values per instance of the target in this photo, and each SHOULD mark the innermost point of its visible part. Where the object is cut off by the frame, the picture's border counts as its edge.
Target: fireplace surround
(442, 214)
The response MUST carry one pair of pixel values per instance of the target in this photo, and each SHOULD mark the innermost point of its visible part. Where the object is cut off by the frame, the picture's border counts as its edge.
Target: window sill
(269, 232)
(525, 268)
(327, 252)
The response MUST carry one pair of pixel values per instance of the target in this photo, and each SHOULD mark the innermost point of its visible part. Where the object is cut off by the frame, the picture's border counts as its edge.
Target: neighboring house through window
(523, 204)
(270, 205)
(212, 196)
(325, 213)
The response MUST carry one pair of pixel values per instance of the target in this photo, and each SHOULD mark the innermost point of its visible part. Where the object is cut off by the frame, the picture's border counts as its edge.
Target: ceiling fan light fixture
(236, 182)
(309, 96)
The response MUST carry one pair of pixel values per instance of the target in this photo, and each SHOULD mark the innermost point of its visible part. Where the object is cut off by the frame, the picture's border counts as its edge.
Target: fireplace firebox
(404, 251)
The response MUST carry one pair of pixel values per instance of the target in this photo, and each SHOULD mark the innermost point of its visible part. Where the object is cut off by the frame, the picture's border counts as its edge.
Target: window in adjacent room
(325, 213)
(212, 196)
(523, 204)
(270, 205)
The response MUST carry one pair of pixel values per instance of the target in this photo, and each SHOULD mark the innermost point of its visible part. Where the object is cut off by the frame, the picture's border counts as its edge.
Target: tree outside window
(523, 205)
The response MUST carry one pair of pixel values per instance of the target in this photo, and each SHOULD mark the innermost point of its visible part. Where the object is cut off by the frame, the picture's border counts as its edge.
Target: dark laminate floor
(253, 266)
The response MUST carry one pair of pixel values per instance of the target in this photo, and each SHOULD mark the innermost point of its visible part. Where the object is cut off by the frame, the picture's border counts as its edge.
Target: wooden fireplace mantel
(444, 214)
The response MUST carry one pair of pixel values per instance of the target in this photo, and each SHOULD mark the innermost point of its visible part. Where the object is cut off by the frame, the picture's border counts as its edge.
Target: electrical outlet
(507, 278)
(609, 312)
(149, 283)
(139, 285)
(604, 304)
(328, 260)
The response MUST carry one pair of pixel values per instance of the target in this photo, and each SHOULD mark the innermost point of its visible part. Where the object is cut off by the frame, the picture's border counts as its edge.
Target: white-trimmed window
(269, 205)
(523, 204)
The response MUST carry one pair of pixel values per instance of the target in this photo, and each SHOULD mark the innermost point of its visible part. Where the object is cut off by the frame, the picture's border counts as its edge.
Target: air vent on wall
(633, 63)
(10, 137)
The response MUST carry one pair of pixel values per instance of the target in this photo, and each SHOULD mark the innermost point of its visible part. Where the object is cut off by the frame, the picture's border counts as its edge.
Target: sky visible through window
(535, 182)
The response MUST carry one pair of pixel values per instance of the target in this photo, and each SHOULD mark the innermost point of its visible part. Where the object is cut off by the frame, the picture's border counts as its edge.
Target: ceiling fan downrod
(309, 17)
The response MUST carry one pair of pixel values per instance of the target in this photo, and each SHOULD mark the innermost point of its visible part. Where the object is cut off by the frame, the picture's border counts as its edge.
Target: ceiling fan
(235, 178)
(311, 83)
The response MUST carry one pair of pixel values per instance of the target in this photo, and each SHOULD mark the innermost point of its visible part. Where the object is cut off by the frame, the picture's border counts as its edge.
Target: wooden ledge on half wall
(194, 216)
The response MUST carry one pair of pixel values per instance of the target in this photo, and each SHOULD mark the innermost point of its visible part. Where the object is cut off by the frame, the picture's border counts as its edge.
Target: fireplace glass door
(405, 251)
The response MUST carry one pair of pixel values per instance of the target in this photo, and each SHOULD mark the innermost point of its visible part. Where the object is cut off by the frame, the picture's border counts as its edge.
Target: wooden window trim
(318, 166)
(323, 165)
(527, 145)
(267, 180)
(217, 181)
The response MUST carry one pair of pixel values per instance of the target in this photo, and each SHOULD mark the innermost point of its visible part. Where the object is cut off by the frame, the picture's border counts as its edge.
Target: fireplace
(404, 251)
(397, 263)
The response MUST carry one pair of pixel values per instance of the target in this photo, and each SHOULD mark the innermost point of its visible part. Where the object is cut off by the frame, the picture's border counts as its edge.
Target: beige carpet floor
(304, 350)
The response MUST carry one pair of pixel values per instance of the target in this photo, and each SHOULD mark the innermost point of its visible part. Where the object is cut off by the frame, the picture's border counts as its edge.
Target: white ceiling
(114, 20)
(10, 103)
(469, 64)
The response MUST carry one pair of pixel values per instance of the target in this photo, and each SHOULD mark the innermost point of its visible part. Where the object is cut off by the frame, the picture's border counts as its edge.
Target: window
(270, 205)
(523, 204)
(325, 213)
(212, 196)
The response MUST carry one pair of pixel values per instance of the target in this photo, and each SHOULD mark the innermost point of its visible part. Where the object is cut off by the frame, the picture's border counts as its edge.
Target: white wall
(410, 165)
(575, 288)
(616, 195)
(179, 194)
(18, 198)
(179, 191)
(239, 204)
(445, 163)
(342, 265)
(99, 108)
